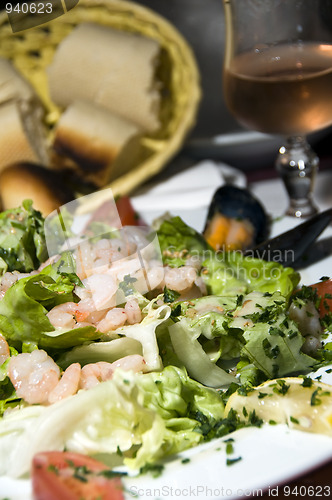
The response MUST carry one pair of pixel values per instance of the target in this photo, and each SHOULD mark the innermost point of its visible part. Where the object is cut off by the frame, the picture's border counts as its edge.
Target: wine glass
(278, 80)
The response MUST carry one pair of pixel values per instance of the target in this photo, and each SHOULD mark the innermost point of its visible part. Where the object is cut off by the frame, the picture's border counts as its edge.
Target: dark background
(202, 24)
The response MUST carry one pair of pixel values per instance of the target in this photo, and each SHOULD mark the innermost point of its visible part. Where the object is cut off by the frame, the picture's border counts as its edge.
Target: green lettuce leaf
(275, 348)
(23, 309)
(178, 241)
(184, 337)
(145, 417)
(145, 333)
(22, 239)
(230, 273)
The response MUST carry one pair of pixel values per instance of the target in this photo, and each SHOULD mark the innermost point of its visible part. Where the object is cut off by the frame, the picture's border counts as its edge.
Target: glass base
(297, 165)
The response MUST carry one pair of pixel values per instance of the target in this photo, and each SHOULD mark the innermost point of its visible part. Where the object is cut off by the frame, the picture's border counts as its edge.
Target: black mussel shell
(239, 204)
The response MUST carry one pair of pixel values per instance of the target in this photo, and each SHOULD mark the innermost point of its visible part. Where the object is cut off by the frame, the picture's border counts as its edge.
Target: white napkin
(188, 189)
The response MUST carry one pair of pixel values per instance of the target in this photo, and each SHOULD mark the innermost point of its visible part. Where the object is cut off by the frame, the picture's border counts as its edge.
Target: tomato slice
(324, 292)
(64, 475)
(127, 214)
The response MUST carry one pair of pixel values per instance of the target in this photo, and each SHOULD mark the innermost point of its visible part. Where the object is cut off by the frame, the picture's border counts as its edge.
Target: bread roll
(100, 144)
(44, 187)
(113, 68)
(22, 134)
(20, 138)
(13, 87)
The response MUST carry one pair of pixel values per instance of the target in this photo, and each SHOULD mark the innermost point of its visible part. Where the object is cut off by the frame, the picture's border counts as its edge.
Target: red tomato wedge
(324, 292)
(127, 214)
(64, 475)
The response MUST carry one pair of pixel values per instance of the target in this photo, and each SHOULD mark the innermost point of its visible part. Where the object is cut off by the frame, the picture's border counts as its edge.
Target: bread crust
(44, 187)
(92, 138)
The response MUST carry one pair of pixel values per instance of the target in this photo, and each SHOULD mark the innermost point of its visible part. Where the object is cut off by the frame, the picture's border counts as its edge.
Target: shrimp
(133, 362)
(34, 375)
(98, 293)
(84, 260)
(4, 350)
(94, 373)
(180, 279)
(67, 385)
(63, 315)
(115, 318)
(8, 279)
(133, 311)
(155, 277)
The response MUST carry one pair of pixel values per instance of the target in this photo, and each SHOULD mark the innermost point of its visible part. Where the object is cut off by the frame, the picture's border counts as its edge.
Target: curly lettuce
(22, 239)
(142, 417)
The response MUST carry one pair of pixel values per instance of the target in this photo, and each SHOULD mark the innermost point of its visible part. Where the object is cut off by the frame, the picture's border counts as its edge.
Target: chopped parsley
(316, 395)
(282, 389)
(270, 352)
(154, 469)
(307, 382)
(126, 285)
(229, 448)
(232, 461)
(170, 295)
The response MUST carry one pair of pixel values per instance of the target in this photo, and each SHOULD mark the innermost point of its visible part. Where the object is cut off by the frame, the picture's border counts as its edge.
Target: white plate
(270, 455)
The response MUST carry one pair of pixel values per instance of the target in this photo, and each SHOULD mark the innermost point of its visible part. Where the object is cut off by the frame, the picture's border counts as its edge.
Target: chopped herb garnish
(154, 469)
(316, 395)
(294, 420)
(244, 390)
(272, 422)
(270, 352)
(239, 300)
(170, 295)
(232, 461)
(276, 331)
(126, 285)
(53, 468)
(307, 382)
(229, 448)
(254, 419)
(185, 461)
(282, 389)
(176, 311)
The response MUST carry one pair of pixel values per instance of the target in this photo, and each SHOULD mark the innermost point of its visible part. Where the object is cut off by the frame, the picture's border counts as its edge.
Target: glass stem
(297, 165)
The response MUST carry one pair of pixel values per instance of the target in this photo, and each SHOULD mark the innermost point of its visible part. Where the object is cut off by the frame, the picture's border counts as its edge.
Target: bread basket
(32, 51)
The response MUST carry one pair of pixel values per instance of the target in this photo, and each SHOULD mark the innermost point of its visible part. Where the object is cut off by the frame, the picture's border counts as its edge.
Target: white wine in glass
(278, 80)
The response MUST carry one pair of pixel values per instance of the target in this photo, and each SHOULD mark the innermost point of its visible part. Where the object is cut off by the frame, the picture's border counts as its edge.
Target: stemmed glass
(278, 80)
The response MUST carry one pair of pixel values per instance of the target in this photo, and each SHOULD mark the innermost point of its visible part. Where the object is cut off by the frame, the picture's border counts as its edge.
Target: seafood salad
(133, 344)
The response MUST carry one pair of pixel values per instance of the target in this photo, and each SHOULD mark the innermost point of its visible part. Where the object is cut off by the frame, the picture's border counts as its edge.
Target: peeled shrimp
(67, 385)
(133, 311)
(34, 375)
(180, 279)
(63, 315)
(4, 350)
(98, 292)
(133, 362)
(115, 318)
(94, 373)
